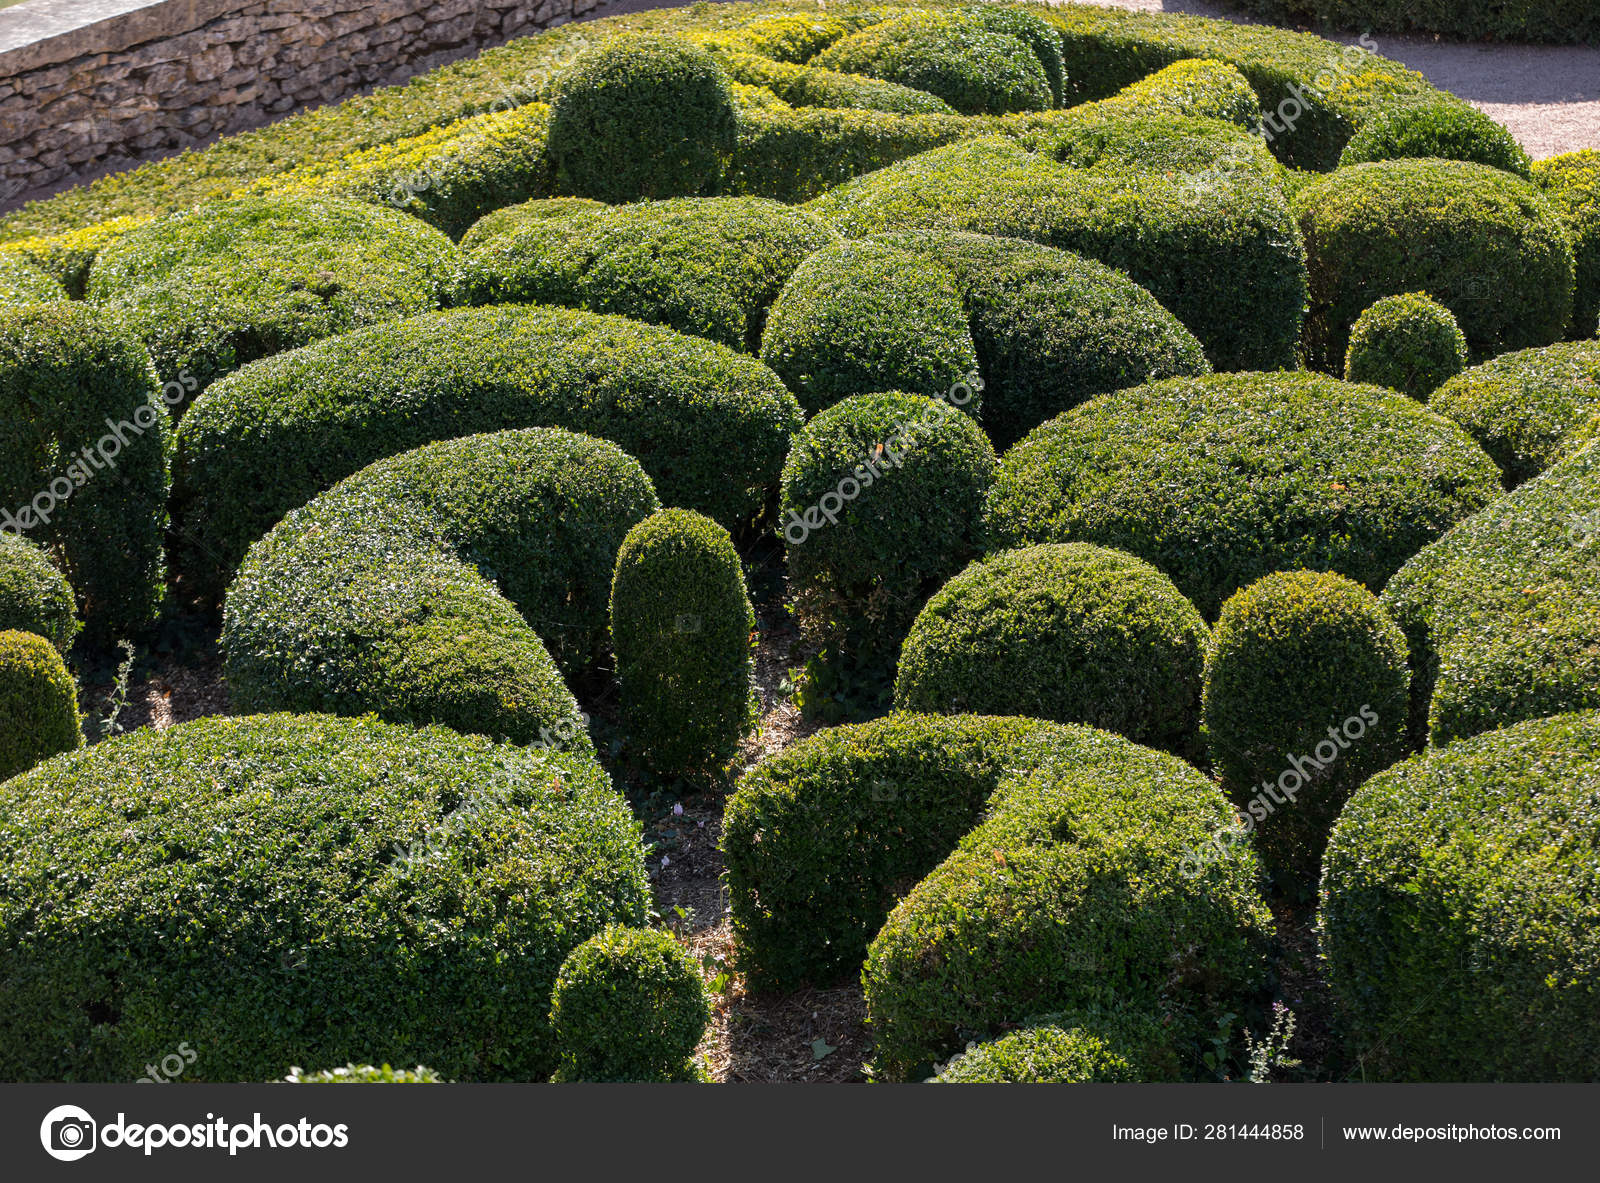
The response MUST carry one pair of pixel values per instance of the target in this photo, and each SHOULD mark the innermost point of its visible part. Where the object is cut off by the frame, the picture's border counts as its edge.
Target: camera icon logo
(67, 1133)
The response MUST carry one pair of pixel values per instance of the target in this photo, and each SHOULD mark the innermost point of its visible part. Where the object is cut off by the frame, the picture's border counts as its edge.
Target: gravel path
(1547, 95)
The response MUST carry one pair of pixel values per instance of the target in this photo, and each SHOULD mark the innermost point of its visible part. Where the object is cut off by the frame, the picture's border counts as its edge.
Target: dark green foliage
(427, 587)
(83, 458)
(1502, 614)
(710, 426)
(215, 287)
(706, 266)
(1305, 697)
(881, 501)
(1051, 328)
(1219, 250)
(1480, 241)
(1408, 343)
(1072, 894)
(821, 839)
(1468, 876)
(1444, 127)
(628, 1005)
(863, 317)
(34, 596)
(1571, 183)
(1110, 1047)
(1458, 20)
(641, 116)
(962, 57)
(811, 86)
(365, 1074)
(1074, 633)
(23, 283)
(512, 218)
(681, 624)
(1521, 406)
(38, 703)
(284, 888)
(1221, 479)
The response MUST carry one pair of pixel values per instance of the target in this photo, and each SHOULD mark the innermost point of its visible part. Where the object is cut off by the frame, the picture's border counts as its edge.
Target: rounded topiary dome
(1408, 343)
(38, 703)
(1443, 127)
(641, 116)
(34, 596)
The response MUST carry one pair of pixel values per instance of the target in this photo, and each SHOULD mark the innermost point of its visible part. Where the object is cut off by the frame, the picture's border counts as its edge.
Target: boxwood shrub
(1571, 183)
(1482, 242)
(284, 888)
(1467, 876)
(1410, 343)
(34, 596)
(1195, 87)
(1439, 126)
(23, 283)
(67, 256)
(1073, 633)
(1521, 406)
(881, 501)
(681, 624)
(365, 1074)
(629, 1005)
(429, 586)
(83, 458)
(1305, 697)
(1051, 328)
(512, 218)
(38, 703)
(1458, 20)
(1220, 252)
(962, 57)
(821, 839)
(812, 86)
(1221, 479)
(863, 317)
(641, 116)
(706, 266)
(789, 37)
(1072, 894)
(1106, 1048)
(1500, 614)
(710, 426)
(220, 285)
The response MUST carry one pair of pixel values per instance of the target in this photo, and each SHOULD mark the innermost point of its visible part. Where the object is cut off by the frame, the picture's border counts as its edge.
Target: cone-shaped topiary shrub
(1073, 633)
(680, 625)
(38, 703)
(34, 596)
(1467, 876)
(1408, 343)
(83, 458)
(641, 116)
(1443, 127)
(1305, 697)
(628, 1005)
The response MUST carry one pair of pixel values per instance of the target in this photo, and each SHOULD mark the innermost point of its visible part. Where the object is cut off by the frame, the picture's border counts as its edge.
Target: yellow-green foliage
(38, 703)
(68, 255)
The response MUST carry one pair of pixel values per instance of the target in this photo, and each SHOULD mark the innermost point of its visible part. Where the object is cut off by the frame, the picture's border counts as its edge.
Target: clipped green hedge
(67, 256)
(1468, 876)
(881, 501)
(1051, 328)
(1305, 697)
(1571, 183)
(34, 596)
(433, 586)
(1440, 126)
(821, 839)
(38, 703)
(1219, 250)
(706, 266)
(283, 888)
(1482, 242)
(641, 116)
(628, 1005)
(1074, 633)
(23, 283)
(792, 38)
(1221, 479)
(1409, 343)
(1108, 1048)
(1522, 406)
(963, 57)
(512, 218)
(1069, 896)
(1560, 21)
(681, 624)
(863, 317)
(710, 426)
(1194, 87)
(83, 458)
(1502, 614)
(221, 285)
(812, 86)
